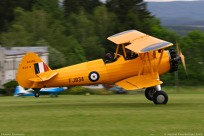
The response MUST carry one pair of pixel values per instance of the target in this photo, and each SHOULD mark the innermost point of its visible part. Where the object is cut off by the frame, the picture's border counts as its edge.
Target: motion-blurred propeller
(182, 57)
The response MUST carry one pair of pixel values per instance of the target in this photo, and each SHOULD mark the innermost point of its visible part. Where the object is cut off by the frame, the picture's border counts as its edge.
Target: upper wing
(126, 36)
(148, 43)
(140, 42)
(138, 82)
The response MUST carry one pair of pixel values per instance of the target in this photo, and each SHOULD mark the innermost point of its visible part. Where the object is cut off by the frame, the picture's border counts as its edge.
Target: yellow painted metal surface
(139, 82)
(126, 36)
(140, 42)
(80, 74)
(44, 76)
(26, 69)
(147, 44)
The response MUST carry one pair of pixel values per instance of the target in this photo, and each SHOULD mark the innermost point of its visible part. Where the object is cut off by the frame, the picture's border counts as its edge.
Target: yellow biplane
(138, 62)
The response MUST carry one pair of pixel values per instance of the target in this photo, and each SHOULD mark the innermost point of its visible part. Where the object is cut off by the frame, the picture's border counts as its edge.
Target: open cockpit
(120, 51)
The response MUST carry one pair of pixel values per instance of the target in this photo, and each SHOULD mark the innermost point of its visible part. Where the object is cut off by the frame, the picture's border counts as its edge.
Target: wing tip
(156, 46)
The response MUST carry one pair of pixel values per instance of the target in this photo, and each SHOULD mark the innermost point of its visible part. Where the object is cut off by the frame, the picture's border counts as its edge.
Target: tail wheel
(149, 93)
(37, 94)
(160, 97)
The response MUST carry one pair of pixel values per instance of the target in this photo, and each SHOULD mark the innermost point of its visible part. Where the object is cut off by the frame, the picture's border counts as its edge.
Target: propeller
(182, 57)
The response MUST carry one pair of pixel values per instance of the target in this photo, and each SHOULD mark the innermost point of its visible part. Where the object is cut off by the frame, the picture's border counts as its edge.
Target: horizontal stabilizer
(138, 82)
(44, 76)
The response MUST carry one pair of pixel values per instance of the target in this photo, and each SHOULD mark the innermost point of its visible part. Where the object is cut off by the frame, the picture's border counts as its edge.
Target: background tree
(7, 8)
(76, 31)
(192, 46)
(130, 14)
(74, 6)
(82, 29)
(74, 51)
(30, 27)
(38, 28)
(105, 24)
(50, 6)
(56, 58)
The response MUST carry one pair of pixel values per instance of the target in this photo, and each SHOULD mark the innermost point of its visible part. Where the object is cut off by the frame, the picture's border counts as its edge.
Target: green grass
(102, 115)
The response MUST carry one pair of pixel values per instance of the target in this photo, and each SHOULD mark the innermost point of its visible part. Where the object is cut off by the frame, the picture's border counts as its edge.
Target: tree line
(76, 31)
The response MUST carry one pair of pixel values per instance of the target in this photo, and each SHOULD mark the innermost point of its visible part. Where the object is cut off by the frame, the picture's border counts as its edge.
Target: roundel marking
(94, 76)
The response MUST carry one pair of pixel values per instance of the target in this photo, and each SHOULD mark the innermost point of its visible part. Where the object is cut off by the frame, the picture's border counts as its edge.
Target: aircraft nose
(174, 60)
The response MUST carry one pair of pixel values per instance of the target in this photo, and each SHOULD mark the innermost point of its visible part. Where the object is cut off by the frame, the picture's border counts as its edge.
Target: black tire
(160, 97)
(149, 93)
(37, 95)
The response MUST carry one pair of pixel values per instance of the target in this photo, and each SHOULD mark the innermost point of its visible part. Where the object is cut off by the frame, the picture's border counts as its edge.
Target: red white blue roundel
(93, 76)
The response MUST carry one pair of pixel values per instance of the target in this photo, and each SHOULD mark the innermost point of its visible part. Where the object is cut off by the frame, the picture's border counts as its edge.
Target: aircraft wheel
(37, 94)
(160, 97)
(149, 93)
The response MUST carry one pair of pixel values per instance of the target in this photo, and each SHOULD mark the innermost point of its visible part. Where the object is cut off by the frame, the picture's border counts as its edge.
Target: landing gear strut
(156, 95)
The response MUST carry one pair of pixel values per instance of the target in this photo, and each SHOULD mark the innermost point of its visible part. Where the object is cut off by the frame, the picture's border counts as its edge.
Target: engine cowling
(174, 60)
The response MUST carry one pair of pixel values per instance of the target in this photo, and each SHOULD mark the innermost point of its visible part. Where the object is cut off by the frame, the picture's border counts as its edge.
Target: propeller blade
(182, 57)
(183, 62)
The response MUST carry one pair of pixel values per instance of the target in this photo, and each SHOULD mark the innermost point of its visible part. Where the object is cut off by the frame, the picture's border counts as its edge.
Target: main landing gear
(156, 95)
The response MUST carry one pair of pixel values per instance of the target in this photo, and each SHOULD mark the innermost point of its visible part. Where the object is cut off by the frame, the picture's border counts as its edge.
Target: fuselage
(99, 72)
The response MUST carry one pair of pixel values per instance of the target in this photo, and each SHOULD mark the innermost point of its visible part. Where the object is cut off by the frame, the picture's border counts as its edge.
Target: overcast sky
(167, 0)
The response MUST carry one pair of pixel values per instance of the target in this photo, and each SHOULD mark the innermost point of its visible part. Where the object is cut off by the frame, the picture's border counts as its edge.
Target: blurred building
(10, 58)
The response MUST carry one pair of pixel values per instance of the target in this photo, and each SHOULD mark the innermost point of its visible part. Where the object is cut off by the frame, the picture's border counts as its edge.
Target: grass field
(103, 115)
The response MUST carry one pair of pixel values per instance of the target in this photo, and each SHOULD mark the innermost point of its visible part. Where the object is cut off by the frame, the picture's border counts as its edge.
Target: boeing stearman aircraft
(138, 62)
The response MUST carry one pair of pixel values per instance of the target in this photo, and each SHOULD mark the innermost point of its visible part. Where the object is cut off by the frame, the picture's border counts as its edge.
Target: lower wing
(138, 82)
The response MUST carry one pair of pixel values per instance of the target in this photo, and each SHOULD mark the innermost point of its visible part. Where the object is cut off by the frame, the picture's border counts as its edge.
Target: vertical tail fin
(28, 68)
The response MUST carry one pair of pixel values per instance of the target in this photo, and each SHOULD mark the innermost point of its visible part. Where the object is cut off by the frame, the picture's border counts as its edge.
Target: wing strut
(162, 51)
(117, 49)
(146, 59)
(150, 64)
(124, 52)
(143, 62)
